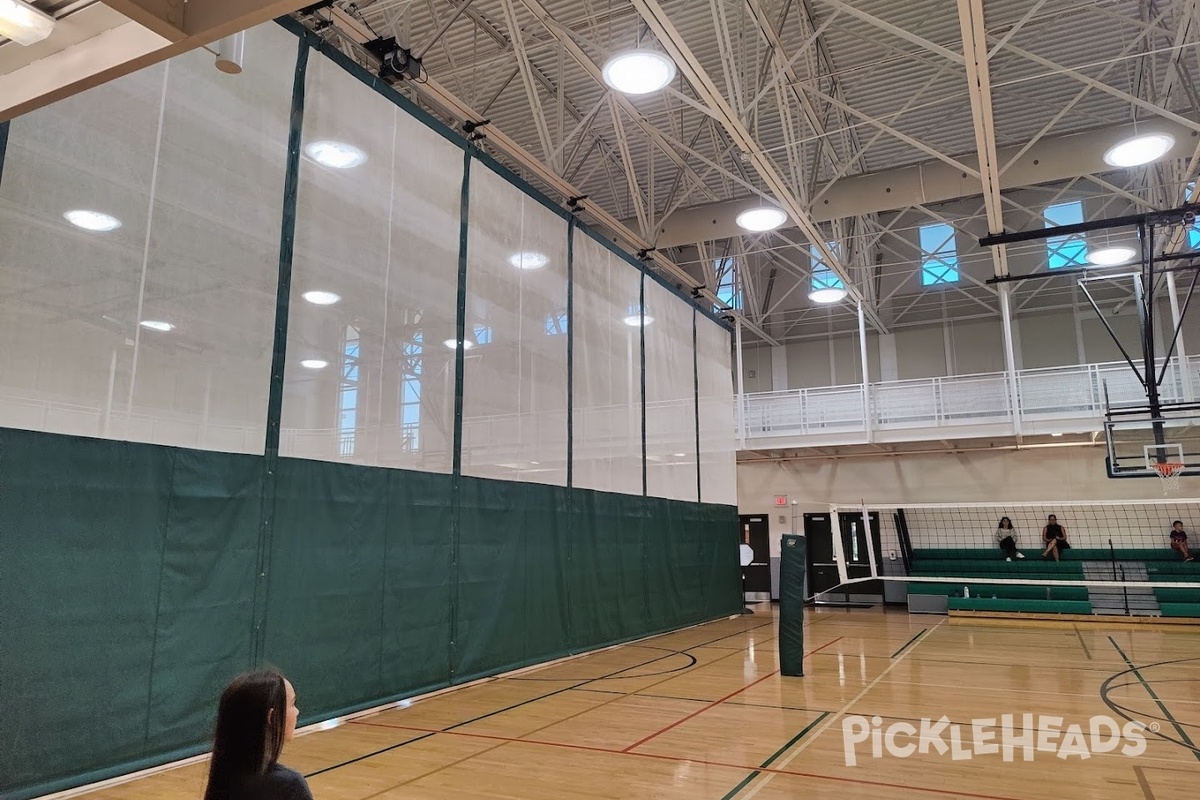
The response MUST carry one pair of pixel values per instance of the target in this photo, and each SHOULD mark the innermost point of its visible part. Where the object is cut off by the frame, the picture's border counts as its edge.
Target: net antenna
(839, 548)
(870, 536)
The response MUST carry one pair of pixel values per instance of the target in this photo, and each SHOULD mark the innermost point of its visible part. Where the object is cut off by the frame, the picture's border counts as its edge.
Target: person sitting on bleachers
(1055, 537)
(1006, 537)
(1179, 540)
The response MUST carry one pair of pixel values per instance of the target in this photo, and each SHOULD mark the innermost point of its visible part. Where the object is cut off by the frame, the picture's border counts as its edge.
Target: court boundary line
(715, 703)
(910, 641)
(1153, 696)
(523, 702)
(680, 759)
(745, 781)
(846, 707)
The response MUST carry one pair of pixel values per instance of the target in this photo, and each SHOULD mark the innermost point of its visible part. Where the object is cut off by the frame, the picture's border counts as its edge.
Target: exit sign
(781, 499)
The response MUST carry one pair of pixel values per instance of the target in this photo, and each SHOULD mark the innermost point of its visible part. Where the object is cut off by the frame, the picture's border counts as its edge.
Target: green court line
(909, 642)
(746, 781)
(1082, 643)
(1153, 696)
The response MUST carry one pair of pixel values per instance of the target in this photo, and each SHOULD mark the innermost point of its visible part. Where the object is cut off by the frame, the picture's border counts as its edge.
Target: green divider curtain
(137, 578)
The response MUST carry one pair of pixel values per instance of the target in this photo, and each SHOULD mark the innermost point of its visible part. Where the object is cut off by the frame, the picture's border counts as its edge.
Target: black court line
(1104, 689)
(908, 643)
(746, 781)
(516, 705)
(576, 679)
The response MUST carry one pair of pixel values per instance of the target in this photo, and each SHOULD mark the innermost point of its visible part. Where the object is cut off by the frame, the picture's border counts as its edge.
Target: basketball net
(1170, 472)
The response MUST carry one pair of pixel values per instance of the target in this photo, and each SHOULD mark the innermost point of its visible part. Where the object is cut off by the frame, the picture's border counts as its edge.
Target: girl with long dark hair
(257, 715)
(1006, 537)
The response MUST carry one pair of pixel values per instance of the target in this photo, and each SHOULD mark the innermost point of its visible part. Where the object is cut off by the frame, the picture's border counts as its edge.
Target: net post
(793, 560)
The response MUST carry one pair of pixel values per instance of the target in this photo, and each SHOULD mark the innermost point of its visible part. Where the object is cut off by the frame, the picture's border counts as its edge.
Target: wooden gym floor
(703, 713)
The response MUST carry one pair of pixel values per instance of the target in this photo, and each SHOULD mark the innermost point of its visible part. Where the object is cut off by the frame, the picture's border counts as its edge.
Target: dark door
(858, 560)
(822, 568)
(755, 533)
(822, 559)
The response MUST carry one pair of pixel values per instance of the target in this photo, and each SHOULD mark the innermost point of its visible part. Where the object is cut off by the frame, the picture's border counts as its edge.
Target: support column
(1010, 361)
(1185, 373)
(866, 375)
(741, 386)
(779, 370)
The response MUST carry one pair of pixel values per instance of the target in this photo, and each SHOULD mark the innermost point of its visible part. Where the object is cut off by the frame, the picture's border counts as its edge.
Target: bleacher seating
(1161, 564)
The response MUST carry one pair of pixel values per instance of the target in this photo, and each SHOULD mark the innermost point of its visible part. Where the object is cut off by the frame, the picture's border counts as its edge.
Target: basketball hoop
(1170, 472)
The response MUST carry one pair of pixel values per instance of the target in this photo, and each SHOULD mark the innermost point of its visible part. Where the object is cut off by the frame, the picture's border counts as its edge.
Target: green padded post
(793, 561)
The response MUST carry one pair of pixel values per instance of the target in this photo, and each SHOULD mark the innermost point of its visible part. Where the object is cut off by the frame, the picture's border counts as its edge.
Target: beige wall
(1036, 475)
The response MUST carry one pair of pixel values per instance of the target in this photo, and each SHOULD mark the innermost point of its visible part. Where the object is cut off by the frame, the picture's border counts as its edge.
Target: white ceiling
(791, 99)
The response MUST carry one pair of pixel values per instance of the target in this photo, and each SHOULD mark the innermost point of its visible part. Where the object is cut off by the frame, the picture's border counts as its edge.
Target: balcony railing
(1067, 397)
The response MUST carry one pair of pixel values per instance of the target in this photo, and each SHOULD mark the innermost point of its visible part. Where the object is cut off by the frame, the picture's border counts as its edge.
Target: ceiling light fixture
(95, 221)
(639, 71)
(1138, 150)
(530, 260)
(321, 298)
(635, 320)
(157, 325)
(1110, 256)
(761, 219)
(23, 23)
(314, 363)
(827, 295)
(336, 155)
(453, 344)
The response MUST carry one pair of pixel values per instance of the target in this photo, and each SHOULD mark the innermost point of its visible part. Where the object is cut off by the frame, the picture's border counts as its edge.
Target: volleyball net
(1098, 545)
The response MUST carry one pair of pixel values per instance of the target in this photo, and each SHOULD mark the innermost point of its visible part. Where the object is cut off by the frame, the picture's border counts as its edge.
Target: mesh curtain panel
(607, 401)
(515, 375)
(717, 411)
(374, 283)
(160, 551)
(670, 396)
(157, 317)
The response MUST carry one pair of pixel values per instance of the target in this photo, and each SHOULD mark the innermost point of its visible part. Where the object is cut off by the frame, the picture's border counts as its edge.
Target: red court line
(677, 723)
(682, 759)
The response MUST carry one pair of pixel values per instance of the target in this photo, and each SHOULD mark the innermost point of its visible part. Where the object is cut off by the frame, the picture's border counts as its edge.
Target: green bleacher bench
(1008, 591)
(1176, 609)
(1060, 570)
(1176, 570)
(1172, 595)
(1020, 606)
(1033, 551)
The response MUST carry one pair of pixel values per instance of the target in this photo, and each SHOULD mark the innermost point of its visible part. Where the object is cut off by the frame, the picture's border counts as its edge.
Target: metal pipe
(1177, 322)
(1113, 335)
(1174, 215)
(1010, 359)
(866, 377)
(741, 385)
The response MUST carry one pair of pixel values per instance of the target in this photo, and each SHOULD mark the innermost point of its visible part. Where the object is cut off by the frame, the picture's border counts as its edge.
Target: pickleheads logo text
(1012, 738)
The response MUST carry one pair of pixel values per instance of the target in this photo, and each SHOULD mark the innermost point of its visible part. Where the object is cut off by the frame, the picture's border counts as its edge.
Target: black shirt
(279, 783)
